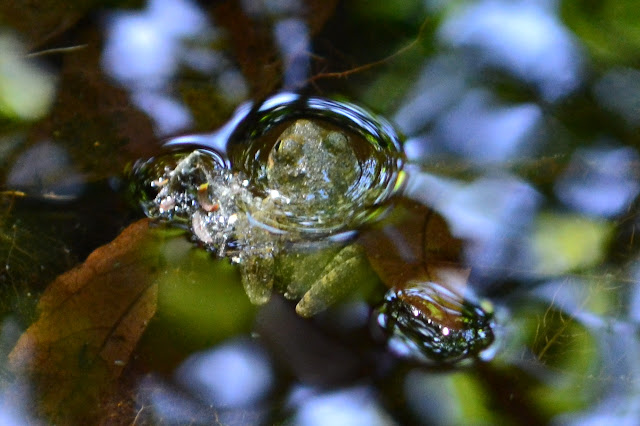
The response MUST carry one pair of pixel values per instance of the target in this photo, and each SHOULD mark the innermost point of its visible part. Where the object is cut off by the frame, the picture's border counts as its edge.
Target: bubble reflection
(373, 140)
(431, 323)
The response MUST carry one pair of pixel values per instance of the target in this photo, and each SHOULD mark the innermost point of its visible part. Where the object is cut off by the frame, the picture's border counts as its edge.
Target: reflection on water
(235, 374)
(45, 170)
(619, 91)
(524, 38)
(290, 34)
(14, 399)
(27, 90)
(480, 131)
(352, 406)
(292, 37)
(493, 214)
(523, 151)
(442, 81)
(600, 181)
(444, 117)
(145, 50)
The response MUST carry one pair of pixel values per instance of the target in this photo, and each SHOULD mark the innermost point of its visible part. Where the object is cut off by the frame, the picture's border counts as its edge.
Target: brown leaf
(91, 319)
(414, 244)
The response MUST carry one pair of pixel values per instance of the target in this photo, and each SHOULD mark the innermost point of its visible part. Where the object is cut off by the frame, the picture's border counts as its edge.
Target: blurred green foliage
(609, 28)
(551, 362)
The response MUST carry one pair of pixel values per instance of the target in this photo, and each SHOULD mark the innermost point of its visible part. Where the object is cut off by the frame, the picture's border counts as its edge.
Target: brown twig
(365, 67)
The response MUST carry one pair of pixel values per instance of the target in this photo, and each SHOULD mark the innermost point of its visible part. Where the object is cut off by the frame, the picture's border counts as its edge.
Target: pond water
(459, 220)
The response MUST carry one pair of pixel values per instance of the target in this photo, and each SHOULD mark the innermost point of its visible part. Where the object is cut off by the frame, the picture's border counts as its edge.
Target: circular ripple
(374, 141)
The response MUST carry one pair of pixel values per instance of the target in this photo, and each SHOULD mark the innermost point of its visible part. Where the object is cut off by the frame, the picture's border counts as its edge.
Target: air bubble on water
(432, 324)
(375, 142)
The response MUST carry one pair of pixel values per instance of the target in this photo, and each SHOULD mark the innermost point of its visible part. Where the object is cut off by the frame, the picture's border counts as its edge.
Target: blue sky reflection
(234, 374)
(493, 214)
(483, 132)
(144, 51)
(524, 38)
(351, 406)
(600, 181)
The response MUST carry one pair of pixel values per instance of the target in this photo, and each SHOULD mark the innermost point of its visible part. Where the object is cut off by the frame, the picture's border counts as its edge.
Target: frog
(310, 170)
(308, 174)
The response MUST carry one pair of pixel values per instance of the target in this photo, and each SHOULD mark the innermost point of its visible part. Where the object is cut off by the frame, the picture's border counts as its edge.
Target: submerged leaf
(91, 319)
(415, 245)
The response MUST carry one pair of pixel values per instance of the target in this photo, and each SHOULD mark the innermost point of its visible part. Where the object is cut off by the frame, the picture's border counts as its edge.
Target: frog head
(312, 165)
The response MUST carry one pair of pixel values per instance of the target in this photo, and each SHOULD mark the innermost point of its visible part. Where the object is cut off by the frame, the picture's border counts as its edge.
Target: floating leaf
(415, 245)
(91, 319)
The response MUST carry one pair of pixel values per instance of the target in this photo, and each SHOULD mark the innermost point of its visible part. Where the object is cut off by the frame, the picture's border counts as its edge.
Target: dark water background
(521, 125)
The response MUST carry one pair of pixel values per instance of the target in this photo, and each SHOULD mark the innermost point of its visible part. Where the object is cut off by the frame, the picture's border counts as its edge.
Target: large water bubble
(373, 140)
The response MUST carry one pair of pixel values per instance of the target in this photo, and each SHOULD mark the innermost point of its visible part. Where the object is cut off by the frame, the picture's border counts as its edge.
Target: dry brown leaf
(91, 319)
(415, 245)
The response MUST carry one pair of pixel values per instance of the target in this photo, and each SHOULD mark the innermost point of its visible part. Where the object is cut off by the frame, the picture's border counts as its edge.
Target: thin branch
(365, 67)
(56, 50)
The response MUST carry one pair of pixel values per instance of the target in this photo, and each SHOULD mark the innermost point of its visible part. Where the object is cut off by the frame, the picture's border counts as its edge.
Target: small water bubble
(167, 186)
(427, 322)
